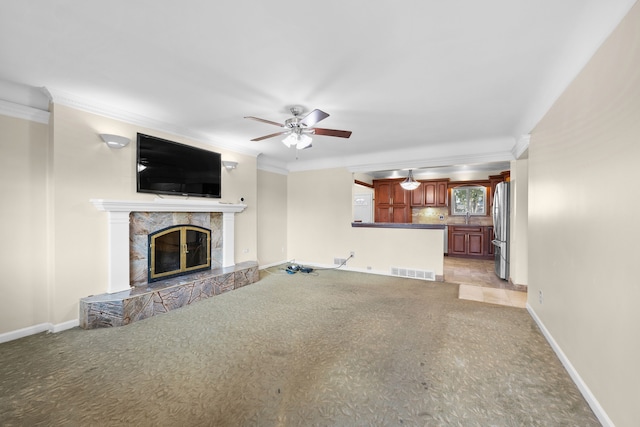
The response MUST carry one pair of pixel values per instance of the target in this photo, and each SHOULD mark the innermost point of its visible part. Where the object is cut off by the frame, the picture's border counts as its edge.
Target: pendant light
(410, 183)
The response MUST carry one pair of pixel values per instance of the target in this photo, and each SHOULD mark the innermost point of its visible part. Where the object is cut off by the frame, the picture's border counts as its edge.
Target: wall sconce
(115, 141)
(229, 164)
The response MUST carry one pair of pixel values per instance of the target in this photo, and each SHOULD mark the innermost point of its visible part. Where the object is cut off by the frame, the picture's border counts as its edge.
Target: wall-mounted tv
(167, 167)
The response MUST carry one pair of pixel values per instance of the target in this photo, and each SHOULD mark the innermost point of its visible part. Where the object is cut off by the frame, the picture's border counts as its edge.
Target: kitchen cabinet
(489, 248)
(431, 194)
(494, 180)
(391, 201)
(468, 241)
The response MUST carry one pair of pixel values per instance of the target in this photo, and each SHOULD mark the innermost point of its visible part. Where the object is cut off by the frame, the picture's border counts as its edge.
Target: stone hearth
(141, 302)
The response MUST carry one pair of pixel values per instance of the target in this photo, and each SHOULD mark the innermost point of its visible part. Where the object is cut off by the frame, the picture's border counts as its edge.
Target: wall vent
(339, 261)
(412, 273)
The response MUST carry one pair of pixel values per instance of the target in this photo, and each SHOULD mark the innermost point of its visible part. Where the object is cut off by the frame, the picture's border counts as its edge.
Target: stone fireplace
(130, 219)
(131, 295)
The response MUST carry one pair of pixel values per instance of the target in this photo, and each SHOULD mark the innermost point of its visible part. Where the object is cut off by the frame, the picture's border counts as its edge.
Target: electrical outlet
(353, 254)
(540, 297)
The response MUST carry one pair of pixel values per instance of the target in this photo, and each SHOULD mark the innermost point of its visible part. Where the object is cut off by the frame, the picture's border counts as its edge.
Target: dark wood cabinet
(391, 201)
(431, 194)
(489, 248)
(494, 180)
(468, 241)
(417, 196)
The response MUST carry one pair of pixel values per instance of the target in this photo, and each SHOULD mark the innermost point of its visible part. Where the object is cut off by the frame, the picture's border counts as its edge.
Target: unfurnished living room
(337, 214)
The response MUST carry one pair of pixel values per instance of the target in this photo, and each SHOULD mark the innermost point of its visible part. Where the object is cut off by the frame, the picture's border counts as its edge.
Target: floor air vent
(413, 273)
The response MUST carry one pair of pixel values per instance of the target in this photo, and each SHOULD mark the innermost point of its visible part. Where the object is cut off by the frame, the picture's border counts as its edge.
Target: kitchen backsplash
(433, 215)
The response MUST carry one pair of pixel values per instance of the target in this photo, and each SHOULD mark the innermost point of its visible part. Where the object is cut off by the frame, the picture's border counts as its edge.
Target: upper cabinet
(392, 202)
(430, 194)
(494, 180)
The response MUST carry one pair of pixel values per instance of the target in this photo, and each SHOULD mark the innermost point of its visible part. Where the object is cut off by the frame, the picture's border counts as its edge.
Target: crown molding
(72, 101)
(20, 111)
(270, 165)
(273, 169)
(522, 144)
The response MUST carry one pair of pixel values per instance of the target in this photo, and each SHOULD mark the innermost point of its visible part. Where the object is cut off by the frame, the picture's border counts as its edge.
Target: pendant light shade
(410, 183)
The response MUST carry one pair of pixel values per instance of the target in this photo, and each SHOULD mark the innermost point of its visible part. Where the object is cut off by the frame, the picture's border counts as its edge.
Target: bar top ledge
(397, 225)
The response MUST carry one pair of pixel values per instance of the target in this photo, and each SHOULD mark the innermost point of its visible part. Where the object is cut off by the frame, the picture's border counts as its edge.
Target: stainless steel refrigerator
(501, 229)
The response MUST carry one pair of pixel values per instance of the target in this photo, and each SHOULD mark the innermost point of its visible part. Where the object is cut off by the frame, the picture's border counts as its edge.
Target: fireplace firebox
(178, 250)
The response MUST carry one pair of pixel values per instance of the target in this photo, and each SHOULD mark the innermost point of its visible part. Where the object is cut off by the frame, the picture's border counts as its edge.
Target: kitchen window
(471, 199)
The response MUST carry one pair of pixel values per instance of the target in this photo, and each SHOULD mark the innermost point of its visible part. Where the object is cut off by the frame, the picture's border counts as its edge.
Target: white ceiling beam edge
(498, 149)
(433, 162)
(72, 101)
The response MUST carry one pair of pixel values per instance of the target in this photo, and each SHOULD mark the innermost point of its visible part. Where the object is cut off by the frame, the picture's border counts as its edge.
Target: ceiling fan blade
(270, 136)
(313, 117)
(332, 132)
(265, 121)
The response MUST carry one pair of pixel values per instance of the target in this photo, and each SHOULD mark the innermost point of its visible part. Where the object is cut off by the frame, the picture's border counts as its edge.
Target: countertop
(414, 225)
(397, 225)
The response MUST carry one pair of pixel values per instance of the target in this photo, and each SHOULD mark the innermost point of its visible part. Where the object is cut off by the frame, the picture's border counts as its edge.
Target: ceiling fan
(299, 128)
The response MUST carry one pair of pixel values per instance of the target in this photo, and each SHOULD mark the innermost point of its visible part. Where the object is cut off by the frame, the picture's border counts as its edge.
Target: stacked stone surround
(144, 223)
(142, 302)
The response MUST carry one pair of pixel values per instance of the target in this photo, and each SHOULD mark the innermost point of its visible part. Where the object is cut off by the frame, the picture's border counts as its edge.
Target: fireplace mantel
(118, 217)
(166, 205)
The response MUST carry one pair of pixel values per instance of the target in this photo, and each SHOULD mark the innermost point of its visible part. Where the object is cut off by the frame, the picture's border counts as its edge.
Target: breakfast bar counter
(398, 225)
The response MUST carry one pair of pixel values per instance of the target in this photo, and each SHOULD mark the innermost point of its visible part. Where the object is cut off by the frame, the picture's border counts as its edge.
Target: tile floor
(478, 282)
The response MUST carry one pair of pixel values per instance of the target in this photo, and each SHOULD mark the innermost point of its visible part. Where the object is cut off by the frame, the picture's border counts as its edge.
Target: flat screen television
(167, 167)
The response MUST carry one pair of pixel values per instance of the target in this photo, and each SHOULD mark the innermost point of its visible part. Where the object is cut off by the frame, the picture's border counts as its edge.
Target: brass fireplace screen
(178, 250)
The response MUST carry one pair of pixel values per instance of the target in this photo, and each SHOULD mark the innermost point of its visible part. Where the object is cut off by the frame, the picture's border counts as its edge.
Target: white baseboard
(273, 264)
(36, 329)
(64, 326)
(346, 267)
(577, 379)
(24, 332)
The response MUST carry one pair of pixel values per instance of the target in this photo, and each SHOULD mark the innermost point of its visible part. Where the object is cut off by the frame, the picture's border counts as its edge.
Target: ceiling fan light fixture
(303, 141)
(290, 140)
(299, 141)
(410, 183)
(297, 130)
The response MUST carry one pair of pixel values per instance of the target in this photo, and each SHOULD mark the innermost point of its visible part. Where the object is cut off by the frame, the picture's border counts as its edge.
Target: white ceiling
(419, 82)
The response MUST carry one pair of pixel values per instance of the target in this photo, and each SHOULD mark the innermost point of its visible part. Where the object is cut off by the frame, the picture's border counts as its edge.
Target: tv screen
(167, 167)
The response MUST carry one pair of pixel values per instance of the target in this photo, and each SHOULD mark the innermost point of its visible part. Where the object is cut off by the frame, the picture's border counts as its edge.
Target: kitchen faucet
(467, 216)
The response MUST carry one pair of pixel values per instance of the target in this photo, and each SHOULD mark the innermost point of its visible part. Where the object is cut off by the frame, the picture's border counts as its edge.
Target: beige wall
(23, 169)
(319, 217)
(82, 167)
(518, 237)
(583, 239)
(272, 218)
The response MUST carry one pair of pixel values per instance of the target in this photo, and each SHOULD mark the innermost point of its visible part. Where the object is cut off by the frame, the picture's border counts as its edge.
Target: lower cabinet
(468, 241)
(490, 249)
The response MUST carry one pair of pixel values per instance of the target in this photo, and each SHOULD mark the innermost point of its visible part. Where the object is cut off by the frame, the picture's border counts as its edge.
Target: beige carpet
(336, 349)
